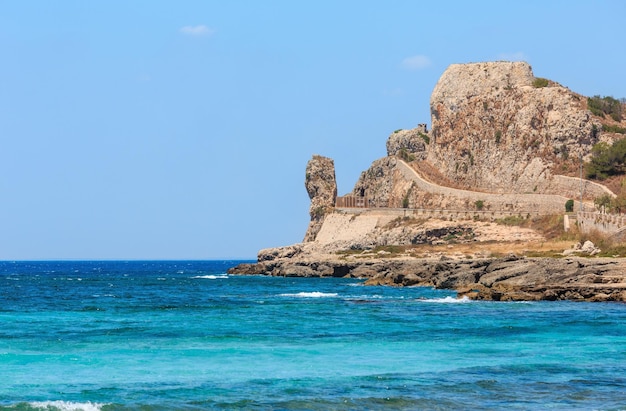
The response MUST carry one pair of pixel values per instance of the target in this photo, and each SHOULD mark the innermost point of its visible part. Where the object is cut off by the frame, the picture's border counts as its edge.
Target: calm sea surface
(184, 335)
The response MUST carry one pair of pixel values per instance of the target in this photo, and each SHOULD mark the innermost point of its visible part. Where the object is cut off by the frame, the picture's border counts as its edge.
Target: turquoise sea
(154, 335)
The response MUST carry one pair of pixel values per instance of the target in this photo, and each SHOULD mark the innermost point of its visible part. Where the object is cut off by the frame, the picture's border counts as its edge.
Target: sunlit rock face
(321, 185)
(495, 129)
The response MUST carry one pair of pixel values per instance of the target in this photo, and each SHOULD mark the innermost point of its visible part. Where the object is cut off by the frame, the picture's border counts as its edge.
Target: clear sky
(181, 129)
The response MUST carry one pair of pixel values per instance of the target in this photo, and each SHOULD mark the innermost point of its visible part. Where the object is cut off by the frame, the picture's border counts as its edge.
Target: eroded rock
(321, 185)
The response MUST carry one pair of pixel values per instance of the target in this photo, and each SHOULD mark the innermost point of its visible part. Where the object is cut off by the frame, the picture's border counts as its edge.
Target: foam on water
(121, 339)
(66, 406)
(448, 300)
(312, 294)
(210, 277)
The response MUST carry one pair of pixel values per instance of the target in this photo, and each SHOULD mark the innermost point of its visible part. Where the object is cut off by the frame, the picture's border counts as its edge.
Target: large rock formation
(321, 186)
(495, 129)
(408, 143)
(498, 143)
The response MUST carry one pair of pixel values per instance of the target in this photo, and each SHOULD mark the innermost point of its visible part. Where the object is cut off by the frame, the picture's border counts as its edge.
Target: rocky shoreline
(510, 278)
(492, 161)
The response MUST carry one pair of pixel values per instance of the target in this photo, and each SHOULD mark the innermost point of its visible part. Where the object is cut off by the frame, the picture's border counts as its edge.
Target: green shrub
(512, 221)
(405, 155)
(607, 160)
(480, 204)
(498, 136)
(594, 131)
(425, 138)
(569, 206)
(397, 131)
(613, 129)
(605, 200)
(539, 82)
(605, 105)
(562, 150)
(405, 201)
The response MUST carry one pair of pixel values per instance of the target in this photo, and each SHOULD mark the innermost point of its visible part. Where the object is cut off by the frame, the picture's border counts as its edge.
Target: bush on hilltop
(607, 160)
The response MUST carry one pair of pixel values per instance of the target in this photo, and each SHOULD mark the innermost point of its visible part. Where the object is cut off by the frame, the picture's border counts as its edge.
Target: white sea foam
(67, 406)
(448, 300)
(367, 297)
(211, 277)
(313, 294)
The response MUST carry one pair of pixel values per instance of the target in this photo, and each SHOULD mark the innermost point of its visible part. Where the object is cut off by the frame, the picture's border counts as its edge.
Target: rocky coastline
(509, 278)
(500, 148)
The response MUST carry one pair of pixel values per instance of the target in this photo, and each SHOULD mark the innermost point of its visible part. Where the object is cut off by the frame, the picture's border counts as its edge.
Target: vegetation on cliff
(601, 106)
(607, 160)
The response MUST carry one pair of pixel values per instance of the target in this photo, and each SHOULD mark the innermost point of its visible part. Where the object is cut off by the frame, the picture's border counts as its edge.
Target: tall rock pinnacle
(321, 186)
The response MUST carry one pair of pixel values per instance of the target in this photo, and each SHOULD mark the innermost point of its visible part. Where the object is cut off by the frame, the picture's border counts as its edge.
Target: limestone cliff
(499, 141)
(409, 143)
(495, 129)
(321, 186)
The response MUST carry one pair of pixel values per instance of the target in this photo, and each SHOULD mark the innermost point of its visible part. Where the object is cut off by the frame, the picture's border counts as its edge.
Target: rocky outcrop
(509, 278)
(587, 248)
(408, 143)
(499, 139)
(494, 129)
(321, 186)
(517, 279)
(380, 184)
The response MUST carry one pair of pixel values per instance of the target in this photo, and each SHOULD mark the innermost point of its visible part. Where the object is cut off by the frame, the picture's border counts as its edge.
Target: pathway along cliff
(499, 141)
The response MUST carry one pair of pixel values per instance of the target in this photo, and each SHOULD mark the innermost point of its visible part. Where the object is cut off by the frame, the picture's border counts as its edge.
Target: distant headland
(491, 201)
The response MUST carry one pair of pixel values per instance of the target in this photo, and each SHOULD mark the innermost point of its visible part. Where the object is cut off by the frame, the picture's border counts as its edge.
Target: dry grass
(550, 227)
(613, 183)
(431, 174)
(498, 248)
(552, 248)
(405, 221)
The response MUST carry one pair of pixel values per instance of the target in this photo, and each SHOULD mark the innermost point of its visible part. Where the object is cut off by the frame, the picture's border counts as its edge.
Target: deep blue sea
(153, 335)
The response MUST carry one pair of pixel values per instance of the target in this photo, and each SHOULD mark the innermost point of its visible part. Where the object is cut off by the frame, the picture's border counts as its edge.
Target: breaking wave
(313, 294)
(448, 300)
(211, 276)
(64, 406)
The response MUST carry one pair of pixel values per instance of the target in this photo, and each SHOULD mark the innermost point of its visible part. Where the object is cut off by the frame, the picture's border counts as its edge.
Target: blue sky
(181, 129)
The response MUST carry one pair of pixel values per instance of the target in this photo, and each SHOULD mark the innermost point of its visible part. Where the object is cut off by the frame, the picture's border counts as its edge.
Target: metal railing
(350, 201)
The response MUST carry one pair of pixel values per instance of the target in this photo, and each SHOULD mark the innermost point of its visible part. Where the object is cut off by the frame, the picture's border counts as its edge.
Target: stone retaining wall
(571, 187)
(440, 214)
(520, 203)
(609, 224)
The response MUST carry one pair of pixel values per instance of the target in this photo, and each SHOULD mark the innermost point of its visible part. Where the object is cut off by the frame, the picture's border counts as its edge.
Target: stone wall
(527, 203)
(570, 187)
(608, 224)
(441, 214)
